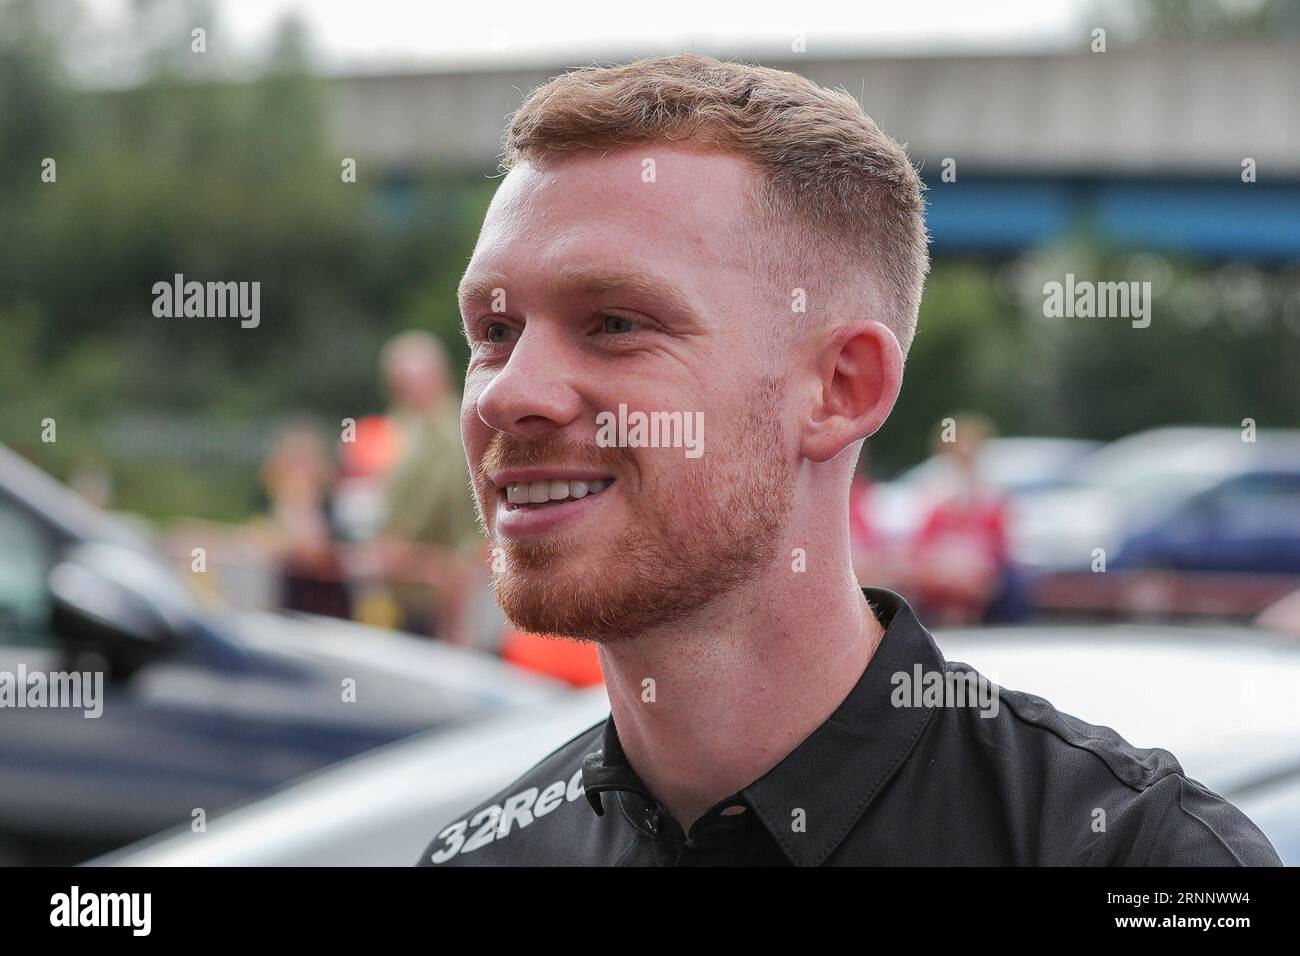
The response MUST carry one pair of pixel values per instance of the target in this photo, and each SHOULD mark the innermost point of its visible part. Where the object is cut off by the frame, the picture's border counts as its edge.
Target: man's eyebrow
(590, 281)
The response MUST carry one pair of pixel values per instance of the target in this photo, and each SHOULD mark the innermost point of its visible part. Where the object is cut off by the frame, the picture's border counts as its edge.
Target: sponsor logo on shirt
(499, 820)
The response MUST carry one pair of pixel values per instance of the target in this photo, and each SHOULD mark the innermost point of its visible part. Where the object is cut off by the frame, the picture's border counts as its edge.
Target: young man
(689, 305)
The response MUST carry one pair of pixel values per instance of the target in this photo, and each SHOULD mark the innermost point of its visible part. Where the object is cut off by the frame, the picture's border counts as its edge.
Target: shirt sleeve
(1179, 822)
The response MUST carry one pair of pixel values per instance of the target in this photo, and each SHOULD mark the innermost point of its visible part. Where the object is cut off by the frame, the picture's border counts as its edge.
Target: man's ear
(860, 371)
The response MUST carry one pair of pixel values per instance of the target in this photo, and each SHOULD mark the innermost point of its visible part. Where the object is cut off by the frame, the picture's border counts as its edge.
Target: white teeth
(540, 492)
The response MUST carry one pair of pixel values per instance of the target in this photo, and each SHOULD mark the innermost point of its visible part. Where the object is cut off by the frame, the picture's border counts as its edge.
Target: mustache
(505, 451)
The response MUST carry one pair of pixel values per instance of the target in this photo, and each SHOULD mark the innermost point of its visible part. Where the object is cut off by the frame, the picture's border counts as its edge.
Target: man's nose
(533, 392)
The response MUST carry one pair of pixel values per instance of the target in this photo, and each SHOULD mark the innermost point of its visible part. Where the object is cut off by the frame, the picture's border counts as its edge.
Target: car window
(1260, 505)
(1153, 496)
(26, 556)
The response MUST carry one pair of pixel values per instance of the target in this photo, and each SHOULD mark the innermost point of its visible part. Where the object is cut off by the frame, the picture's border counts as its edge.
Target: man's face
(590, 289)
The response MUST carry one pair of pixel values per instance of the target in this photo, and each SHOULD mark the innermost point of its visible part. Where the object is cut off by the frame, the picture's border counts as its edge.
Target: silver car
(1226, 702)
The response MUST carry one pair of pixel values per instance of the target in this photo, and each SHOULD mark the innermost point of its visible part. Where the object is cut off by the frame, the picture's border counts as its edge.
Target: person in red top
(960, 556)
(878, 558)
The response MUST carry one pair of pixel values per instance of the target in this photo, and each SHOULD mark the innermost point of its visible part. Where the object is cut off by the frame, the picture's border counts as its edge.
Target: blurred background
(277, 511)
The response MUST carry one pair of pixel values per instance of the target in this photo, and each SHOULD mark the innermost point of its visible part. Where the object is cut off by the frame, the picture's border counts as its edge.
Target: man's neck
(706, 708)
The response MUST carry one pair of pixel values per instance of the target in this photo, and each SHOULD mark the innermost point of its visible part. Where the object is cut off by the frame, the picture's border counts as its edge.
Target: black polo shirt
(916, 766)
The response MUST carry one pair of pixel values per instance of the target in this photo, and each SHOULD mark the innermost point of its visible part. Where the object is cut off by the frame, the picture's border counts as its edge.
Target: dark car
(1190, 522)
(1248, 523)
(201, 707)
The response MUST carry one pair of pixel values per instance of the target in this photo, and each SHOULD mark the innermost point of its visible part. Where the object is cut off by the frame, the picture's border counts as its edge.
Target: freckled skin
(679, 531)
(681, 570)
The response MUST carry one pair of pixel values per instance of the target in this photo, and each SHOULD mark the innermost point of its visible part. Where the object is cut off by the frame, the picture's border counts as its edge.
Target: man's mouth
(543, 493)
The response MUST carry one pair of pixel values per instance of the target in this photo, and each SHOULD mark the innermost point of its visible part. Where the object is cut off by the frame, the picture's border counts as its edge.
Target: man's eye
(498, 332)
(619, 324)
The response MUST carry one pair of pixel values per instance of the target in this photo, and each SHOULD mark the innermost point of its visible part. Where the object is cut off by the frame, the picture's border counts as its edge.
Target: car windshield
(1157, 492)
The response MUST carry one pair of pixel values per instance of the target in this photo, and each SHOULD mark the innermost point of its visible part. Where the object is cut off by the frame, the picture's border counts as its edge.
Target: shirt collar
(810, 800)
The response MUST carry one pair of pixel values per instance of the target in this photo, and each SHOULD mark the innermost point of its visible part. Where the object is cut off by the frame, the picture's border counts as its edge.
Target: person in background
(296, 479)
(863, 538)
(876, 557)
(429, 546)
(960, 559)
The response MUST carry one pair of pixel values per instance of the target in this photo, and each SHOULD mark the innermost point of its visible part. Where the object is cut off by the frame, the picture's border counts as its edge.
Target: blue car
(1247, 523)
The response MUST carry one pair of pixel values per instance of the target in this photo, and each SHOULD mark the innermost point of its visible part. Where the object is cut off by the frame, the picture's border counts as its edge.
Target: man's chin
(560, 592)
(557, 601)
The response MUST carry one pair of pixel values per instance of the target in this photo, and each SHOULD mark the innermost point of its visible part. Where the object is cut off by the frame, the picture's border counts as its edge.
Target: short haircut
(837, 194)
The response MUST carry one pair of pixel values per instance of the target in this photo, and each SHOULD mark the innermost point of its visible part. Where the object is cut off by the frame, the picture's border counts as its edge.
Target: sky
(361, 36)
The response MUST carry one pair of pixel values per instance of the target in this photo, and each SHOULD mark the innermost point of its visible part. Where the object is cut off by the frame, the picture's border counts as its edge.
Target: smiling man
(742, 247)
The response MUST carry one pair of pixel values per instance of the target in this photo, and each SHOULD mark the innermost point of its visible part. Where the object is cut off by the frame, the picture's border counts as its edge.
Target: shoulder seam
(1182, 789)
(1083, 745)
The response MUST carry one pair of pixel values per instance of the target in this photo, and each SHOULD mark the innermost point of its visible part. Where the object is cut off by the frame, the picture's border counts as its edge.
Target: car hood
(1223, 703)
(315, 670)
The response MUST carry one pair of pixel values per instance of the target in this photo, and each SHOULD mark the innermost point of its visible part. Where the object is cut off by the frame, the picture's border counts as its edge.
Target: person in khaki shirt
(430, 542)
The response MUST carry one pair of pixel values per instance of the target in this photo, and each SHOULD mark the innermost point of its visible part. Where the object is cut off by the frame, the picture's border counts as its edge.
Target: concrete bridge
(1146, 143)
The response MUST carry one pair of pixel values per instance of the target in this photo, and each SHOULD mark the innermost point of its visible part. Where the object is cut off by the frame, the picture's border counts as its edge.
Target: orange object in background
(375, 448)
(570, 661)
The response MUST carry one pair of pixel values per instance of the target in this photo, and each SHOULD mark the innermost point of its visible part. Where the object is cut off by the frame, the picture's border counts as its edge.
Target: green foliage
(222, 180)
(216, 181)
(1199, 19)
(1223, 344)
